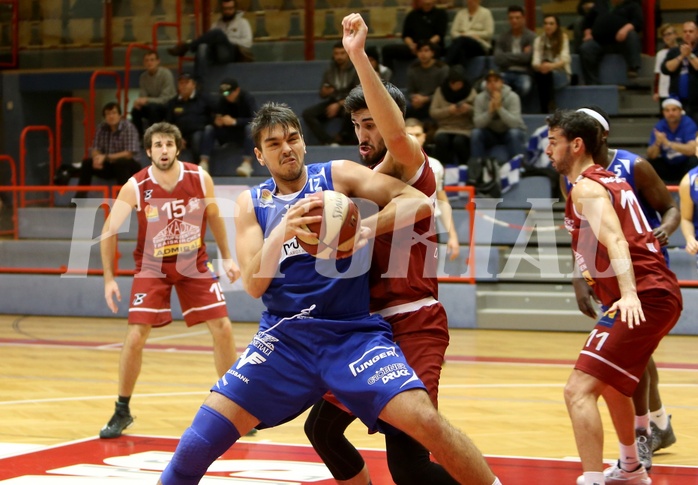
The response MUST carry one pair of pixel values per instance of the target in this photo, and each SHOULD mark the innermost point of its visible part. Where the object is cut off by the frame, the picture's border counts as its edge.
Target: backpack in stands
(489, 183)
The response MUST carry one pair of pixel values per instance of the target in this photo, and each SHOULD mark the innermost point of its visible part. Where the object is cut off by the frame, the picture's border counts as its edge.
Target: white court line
(97, 398)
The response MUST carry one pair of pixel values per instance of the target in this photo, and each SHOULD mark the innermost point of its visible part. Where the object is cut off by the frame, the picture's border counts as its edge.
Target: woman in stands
(551, 62)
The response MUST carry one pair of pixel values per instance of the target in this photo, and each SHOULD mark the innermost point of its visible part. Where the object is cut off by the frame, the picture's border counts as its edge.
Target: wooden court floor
(503, 388)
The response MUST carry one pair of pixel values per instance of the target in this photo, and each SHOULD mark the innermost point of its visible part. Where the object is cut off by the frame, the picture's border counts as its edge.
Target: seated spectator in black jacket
(424, 76)
(233, 113)
(614, 30)
(424, 23)
(114, 150)
(338, 79)
(191, 111)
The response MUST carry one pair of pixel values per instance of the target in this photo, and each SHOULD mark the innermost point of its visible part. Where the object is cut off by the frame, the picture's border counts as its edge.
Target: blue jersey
(693, 187)
(304, 284)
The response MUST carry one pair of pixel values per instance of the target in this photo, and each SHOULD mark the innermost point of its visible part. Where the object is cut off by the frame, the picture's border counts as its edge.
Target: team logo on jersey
(177, 238)
(151, 213)
(607, 319)
(194, 204)
(138, 298)
(569, 224)
(148, 194)
(388, 373)
(266, 199)
(253, 359)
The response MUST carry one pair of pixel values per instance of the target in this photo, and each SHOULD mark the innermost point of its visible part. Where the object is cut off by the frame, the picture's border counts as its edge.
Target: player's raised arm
(403, 149)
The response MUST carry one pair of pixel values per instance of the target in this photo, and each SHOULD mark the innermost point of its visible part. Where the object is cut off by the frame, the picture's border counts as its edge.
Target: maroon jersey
(403, 272)
(171, 225)
(651, 272)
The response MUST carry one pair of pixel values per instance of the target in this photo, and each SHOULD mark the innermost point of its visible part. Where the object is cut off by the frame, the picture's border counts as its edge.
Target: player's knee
(208, 437)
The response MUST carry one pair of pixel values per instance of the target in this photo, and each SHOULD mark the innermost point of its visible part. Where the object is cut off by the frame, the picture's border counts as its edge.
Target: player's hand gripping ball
(339, 229)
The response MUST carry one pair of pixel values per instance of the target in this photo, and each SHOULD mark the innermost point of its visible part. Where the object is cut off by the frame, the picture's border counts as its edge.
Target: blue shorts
(292, 362)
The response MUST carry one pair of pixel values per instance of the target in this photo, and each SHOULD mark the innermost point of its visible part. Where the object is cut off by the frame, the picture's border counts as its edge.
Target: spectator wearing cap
(191, 111)
(156, 88)
(672, 145)
(232, 116)
(114, 152)
(384, 72)
(498, 121)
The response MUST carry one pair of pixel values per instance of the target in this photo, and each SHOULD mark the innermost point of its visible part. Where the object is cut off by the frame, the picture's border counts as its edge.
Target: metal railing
(23, 160)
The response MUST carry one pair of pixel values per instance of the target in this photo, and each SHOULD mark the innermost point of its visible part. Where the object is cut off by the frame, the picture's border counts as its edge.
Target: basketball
(338, 230)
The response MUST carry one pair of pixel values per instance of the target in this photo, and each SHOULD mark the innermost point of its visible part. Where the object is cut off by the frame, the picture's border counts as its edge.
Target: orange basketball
(338, 230)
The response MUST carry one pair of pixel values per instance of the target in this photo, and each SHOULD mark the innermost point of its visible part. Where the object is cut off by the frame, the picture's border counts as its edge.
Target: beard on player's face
(371, 154)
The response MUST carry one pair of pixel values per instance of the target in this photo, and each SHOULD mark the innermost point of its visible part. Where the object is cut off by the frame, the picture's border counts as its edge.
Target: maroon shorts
(201, 298)
(618, 355)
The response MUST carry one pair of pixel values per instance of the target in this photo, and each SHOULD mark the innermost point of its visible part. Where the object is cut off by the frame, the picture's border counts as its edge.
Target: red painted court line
(511, 470)
(204, 348)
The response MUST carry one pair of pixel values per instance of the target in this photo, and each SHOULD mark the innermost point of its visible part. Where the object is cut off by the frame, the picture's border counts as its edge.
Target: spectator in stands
(384, 72)
(688, 195)
(426, 22)
(232, 115)
(191, 111)
(614, 30)
(157, 87)
(513, 52)
(339, 78)
(672, 146)
(498, 121)
(661, 81)
(228, 40)
(471, 34)
(423, 77)
(452, 109)
(115, 150)
(583, 9)
(681, 65)
(552, 63)
(443, 210)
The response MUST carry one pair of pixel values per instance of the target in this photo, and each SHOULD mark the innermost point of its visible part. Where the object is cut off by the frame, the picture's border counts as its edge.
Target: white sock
(660, 418)
(643, 422)
(628, 457)
(496, 481)
(593, 478)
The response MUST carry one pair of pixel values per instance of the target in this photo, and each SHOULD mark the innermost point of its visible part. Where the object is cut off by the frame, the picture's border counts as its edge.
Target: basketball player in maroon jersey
(173, 202)
(404, 288)
(619, 256)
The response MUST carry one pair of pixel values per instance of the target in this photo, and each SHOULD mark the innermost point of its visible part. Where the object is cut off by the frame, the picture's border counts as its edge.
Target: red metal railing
(23, 160)
(13, 183)
(93, 95)
(470, 207)
(178, 26)
(14, 25)
(59, 127)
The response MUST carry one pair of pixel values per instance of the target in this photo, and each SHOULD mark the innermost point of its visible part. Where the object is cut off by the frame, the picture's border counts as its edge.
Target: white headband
(671, 102)
(596, 116)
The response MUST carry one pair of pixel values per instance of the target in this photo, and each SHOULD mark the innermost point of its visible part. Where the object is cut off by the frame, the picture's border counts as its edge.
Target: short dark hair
(356, 100)
(271, 115)
(152, 52)
(162, 128)
(576, 124)
(110, 106)
(515, 8)
(372, 53)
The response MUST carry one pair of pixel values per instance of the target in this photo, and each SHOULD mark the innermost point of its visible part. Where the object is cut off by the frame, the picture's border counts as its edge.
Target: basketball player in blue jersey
(688, 192)
(317, 333)
(652, 423)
